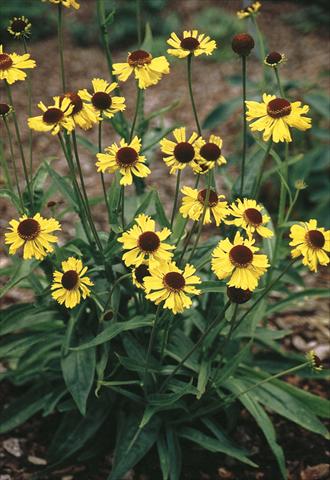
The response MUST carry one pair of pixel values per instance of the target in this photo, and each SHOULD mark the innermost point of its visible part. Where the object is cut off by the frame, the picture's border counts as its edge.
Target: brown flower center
(184, 152)
(101, 100)
(149, 242)
(18, 25)
(139, 58)
(315, 238)
(241, 256)
(52, 115)
(174, 281)
(140, 272)
(70, 279)
(210, 151)
(242, 44)
(253, 216)
(213, 197)
(5, 61)
(126, 156)
(75, 100)
(273, 58)
(279, 107)
(4, 109)
(28, 229)
(238, 295)
(189, 43)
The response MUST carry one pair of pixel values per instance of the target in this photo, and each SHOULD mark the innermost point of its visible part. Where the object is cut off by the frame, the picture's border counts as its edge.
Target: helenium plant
(150, 324)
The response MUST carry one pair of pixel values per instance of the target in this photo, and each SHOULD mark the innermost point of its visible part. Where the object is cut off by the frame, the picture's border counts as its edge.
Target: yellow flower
(33, 234)
(167, 283)
(142, 242)
(12, 66)
(238, 261)
(147, 70)
(252, 9)
(248, 216)
(193, 205)
(54, 118)
(192, 43)
(315, 362)
(182, 152)
(70, 285)
(139, 273)
(273, 59)
(19, 27)
(209, 154)
(124, 158)
(83, 114)
(101, 99)
(66, 3)
(311, 242)
(275, 116)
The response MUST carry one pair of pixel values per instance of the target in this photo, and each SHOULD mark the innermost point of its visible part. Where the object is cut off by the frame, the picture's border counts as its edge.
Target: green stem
(211, 326)
(123, 206)
(244, 125)
(176, 197)
(138, 95)
(261, 171)
(60, 44)
(189, 60)
(29, 90)
(102, 174)
(279, 85)
(14, 164)
(119, 280)
(20, 145)
(151, 343)
(187, 241)
(282, 205)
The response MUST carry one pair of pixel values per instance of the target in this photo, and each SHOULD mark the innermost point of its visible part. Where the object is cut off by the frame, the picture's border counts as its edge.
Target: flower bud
(238, 295)
(242, 44)
(274, 58)
(300, 184)
(4, 109)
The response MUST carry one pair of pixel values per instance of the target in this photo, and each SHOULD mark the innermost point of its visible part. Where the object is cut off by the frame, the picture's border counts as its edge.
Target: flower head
(71, 284)
(248, 215)
(251, 9)
(19, 27)
(273, 59)
(193, 205)
(12, 66)
(101, 100)
(315, 362)
(312, 242)
(274, 116)
(125, 158)
(83, 114)
(34, 234)
(5, 109)
(191, 43)
(54, 118)
(238, 295)
(239, 261)
(182, 152)
(209, 154)
(139, 273)
(147, 70)
(242, 44)
(66, 3)
(168, 283)
(144, 243)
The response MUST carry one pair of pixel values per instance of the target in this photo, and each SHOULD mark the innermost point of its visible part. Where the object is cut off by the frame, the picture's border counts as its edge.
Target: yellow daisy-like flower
(209, 154)
(193, 205)
(70, 285)
(139, 273)
(12, 66)
(248, 216)
(147, 70)
(312, 242)
(239, 261)
(144, 243)
(83, 114)
(182, 152)
(273, 59)
(168, 283)
(19, 27)
(251, 9)
(66, 3)
(54, 118)
(275, 116)
(34, 234)
(192, 43)
(101, 99)
(124, 158)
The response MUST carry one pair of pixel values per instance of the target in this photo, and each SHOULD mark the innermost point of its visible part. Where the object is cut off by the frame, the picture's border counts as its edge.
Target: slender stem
(14, 164)
(279, 85)
(102, 174)
(60, 44)
(85, 196)
(151, 342)
(123, 206)
(211, 326)
(138, 95)
(29, 90)
(192, 95)
(20, 145)
(261, 171)
(187, 241)
(282, 205)
(176, 196)
(244, 124)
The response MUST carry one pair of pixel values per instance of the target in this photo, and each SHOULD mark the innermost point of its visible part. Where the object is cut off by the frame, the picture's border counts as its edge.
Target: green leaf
(147, 42)
(294, 297)
(169, 453)
(203, 377)
(6, 193)
(231, 365)
(78, 370)
(132, 443)
(23, 270)
(320, 102)
(164, 458)
(251, 404)
(63, 185)
(221, 113)
(17, 317)
(161, 215)
(111, 331)
(145, 204)
(214, 286)
(90, 146)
